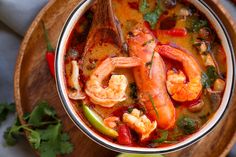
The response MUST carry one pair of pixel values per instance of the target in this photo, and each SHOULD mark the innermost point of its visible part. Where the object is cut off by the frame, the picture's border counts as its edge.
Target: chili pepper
(124, 135)
(175, 32)
(50, 55)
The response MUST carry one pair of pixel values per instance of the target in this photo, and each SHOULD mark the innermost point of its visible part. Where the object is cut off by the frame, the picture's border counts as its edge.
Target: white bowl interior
(61, 51)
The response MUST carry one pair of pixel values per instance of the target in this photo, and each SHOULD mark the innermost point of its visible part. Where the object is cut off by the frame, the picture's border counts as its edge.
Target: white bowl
(69, 107)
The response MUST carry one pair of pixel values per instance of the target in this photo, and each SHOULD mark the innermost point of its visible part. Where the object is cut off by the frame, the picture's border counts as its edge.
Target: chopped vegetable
(133, 90)
(209, 77)
(184, 12)
(124, 137)
(97, 122)
(176, 32)
(187, 125)
(164, 135)
(219, 85)
(5, 109)
(50, 55)
(45, 136)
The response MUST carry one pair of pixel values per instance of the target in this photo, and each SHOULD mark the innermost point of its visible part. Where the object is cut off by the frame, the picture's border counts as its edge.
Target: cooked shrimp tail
(115, 92)
(178, 87)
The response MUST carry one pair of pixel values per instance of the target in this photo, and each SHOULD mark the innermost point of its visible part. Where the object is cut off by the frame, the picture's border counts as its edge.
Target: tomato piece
(124, 135)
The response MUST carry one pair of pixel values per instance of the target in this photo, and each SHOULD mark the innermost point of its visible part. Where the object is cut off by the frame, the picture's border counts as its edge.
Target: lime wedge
(97, 122)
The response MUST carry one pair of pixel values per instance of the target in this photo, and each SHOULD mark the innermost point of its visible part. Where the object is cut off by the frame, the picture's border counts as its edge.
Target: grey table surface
(15, 18)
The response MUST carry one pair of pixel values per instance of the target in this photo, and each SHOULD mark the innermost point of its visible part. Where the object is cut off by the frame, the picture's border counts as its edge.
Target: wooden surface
(33, 82)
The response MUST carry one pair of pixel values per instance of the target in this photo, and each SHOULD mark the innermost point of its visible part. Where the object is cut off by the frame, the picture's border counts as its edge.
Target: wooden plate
(33, 83)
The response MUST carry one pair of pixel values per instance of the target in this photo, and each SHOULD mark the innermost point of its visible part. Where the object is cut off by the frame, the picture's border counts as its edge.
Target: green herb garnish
(187, 125)
(151, 16)
(194, 24)
(164, 135)
(44, 132)
(209, 77)
(153, 104)
(143, 7)
(150, 63)
(5, 109)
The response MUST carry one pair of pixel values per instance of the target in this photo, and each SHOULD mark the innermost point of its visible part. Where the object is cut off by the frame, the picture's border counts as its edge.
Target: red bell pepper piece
(175, 32)
(124, 135)
(50, 55)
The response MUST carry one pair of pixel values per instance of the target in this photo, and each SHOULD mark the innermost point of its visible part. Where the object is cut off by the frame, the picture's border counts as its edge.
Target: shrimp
(140, 123)
(177, 85)
(115, 92)
(151, 78)
(111, 122)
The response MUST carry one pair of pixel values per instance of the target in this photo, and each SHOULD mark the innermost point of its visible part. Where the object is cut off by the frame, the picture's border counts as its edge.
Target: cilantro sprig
(5, 109)
(151, 16)
(164, 136)
(44, 132)
(209, 77)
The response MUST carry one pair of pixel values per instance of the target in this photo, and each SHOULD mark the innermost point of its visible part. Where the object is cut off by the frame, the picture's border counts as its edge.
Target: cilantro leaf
(35, 139)
(5, 109)
(151, 16)
(194, 24)
(65, 147)
(45, 135)
(51, 132)
(164, 135)
(39, 112)
(143, 6)
(187, 125)
(12, 133)
(209, 77)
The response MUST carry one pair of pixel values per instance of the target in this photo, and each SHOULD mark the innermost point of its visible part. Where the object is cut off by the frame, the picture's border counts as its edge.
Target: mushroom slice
(73, 81)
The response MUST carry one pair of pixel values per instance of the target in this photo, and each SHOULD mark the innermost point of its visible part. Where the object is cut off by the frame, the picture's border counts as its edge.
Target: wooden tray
(33, 83)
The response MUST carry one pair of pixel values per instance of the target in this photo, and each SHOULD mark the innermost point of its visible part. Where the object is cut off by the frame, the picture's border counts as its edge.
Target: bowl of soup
(168, 91)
